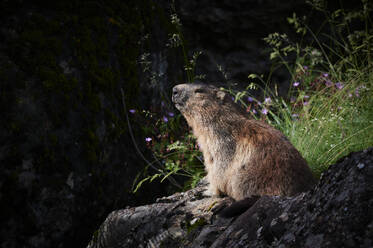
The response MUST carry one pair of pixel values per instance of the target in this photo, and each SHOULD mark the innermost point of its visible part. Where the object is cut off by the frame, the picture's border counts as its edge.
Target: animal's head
(200, 102)
(196, 97)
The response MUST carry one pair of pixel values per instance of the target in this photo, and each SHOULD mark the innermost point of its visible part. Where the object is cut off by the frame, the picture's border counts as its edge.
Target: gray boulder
(336, 213)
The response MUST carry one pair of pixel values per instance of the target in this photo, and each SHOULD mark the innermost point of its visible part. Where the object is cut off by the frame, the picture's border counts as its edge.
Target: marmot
(243, 157)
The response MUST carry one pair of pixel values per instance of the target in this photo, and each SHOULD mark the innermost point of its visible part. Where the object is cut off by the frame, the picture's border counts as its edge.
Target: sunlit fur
(242, 157)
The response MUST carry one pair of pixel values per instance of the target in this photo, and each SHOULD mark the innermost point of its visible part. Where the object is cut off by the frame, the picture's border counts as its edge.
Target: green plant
(328, 111)
(173, 147)
(176, 39)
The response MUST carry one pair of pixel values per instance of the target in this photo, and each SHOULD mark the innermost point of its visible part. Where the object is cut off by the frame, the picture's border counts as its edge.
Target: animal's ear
(221, 95)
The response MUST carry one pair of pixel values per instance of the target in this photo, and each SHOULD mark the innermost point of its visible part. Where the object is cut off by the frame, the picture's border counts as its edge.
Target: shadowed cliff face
(230, 33)
(66, 155)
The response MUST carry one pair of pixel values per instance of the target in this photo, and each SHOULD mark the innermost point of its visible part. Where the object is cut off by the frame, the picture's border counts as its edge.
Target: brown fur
(243, 157)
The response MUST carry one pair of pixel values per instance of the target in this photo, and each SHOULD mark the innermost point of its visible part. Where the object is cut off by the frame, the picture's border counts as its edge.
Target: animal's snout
(175, 91)
(178, 93)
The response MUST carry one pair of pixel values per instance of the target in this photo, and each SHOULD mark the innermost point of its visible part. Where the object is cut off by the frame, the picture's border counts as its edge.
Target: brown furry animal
(243, 157)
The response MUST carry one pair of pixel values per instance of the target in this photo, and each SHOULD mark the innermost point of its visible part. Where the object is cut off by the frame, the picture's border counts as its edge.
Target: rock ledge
(336, 213)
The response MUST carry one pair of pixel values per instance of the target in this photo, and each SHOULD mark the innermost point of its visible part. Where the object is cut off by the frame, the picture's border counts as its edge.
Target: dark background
(66, 156)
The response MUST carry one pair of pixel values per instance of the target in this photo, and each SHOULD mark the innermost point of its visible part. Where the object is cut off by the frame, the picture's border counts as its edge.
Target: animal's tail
(238, 207)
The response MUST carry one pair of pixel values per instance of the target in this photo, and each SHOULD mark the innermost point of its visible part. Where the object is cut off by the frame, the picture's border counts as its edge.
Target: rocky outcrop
(336, 213)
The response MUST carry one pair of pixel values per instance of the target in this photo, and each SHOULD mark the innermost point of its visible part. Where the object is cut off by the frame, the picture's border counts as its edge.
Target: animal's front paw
(211, 192)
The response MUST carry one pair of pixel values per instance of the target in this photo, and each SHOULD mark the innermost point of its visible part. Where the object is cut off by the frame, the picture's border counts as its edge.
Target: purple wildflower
(357, 90)
(328, 83)
(339, 85)
(162, 103)
(264, 111)
(325, 75)
(170, 114)
(254, 111)
(293, 99)
(148, 139)
(267, 100)
(165, 119)
(232, 98)
(250, 99)
(306, 97)
(305, 103)
(132, 111)
(294, 115)
(305, 68)
(296, 84)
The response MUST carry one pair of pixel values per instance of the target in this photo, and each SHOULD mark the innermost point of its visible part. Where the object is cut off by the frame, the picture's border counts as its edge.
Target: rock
(336, 213)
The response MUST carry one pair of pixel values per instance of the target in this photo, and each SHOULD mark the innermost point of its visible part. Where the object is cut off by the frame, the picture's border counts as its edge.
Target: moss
(196, 225)
(91, 146)
(54, 80)
(95, 236)
(115, 127)
(85, 32)
(14, 126)
(53, 139)
(94, 103)
(46, 160)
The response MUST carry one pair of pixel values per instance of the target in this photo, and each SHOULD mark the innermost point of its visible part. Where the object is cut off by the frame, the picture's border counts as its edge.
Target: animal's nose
(175, 91)
(179, 93)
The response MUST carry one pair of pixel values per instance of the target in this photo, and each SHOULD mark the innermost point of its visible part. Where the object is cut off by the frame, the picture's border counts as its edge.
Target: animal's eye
(199, 90)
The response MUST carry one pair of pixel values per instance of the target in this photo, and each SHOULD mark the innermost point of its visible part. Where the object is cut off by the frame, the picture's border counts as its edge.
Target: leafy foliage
(174, 149)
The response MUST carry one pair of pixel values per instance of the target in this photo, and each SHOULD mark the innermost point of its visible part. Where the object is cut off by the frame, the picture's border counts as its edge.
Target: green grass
(325, 115)
(330, 112)
(332, 124)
